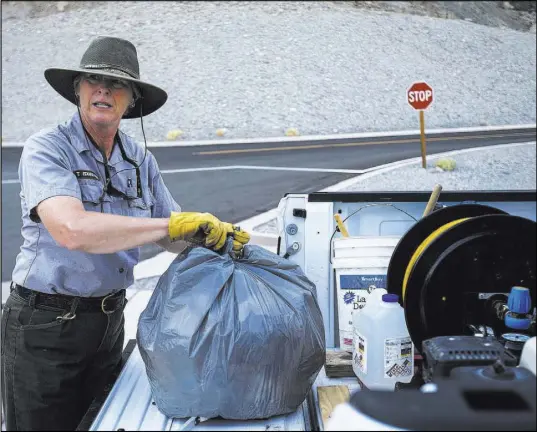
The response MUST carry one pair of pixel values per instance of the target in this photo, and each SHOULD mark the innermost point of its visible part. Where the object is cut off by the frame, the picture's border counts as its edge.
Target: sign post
(420, 96)
(422, 140)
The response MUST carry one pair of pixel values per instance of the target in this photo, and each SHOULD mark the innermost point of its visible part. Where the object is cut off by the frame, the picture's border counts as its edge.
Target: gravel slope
(511, 168)
(257, 68)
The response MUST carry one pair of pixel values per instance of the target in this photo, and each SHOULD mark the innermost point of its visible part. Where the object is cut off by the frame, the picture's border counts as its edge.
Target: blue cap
(390, 298)
(519, 300)
(517, 323)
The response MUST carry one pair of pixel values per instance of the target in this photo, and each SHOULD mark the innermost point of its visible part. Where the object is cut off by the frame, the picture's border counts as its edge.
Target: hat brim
(152, 97)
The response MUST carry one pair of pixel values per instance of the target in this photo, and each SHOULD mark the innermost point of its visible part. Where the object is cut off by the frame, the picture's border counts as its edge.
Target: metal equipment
(466, 278)
(465, 268)
(482, 398)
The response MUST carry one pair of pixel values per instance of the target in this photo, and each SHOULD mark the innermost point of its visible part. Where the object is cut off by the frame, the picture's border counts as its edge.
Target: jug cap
(390, 298)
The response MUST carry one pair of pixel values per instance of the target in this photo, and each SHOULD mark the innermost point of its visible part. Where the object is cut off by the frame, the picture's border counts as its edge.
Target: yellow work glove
(240, 238)
(187, 225)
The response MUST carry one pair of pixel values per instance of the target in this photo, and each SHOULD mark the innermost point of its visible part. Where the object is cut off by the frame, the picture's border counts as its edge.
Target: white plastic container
(528, 356)
(360, 264)
(374, 301)
(383, 353)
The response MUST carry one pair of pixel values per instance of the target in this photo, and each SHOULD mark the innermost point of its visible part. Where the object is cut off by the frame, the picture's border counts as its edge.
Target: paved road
(236, 194)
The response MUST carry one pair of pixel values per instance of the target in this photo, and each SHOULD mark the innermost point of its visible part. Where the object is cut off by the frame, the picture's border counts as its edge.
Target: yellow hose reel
(430, 238)
(454, 256)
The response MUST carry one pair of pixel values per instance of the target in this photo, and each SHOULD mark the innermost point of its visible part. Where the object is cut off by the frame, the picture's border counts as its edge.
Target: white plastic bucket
(360, 264)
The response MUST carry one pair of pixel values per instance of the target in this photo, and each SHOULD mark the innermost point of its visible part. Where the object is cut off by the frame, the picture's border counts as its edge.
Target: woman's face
(103, 101)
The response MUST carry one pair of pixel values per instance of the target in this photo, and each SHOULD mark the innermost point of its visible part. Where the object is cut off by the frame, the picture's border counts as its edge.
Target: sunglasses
(109, 82)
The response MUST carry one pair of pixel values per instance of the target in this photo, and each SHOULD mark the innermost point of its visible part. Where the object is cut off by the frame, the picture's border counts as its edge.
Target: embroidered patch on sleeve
(83, 174)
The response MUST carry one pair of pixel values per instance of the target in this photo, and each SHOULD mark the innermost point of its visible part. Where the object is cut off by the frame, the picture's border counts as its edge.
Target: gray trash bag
(235, 338)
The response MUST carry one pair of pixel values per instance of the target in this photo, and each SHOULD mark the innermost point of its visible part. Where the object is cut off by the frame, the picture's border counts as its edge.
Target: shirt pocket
(91, 192)
(140, 207)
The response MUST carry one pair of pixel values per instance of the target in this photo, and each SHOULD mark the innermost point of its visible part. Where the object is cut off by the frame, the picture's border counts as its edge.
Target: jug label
(353, 292)
(360, 352)
(397, 357)
(362, 282)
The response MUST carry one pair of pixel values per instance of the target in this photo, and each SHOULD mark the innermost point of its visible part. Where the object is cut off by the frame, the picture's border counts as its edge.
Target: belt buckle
(107, 312)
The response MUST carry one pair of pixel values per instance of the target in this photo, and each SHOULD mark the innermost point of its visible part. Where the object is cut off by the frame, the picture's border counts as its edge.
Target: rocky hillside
(516, 15)
(240, 69)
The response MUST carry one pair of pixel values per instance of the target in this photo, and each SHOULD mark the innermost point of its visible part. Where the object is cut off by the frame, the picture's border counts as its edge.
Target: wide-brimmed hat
(116, 58)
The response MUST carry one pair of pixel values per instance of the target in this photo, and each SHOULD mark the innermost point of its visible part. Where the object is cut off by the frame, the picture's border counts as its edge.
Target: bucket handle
(360, 209)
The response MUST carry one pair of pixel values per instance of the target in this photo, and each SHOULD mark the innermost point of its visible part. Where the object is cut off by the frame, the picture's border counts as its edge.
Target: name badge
(83, 174)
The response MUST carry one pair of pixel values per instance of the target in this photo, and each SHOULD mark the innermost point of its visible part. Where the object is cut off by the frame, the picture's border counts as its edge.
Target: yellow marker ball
(174, 134)
(446, 164)
(292, 132)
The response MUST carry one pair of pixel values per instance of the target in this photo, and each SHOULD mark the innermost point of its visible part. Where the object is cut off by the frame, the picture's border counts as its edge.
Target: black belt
(107, 304)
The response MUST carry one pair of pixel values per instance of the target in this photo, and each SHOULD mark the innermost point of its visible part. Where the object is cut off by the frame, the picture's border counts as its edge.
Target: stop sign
(420, 95)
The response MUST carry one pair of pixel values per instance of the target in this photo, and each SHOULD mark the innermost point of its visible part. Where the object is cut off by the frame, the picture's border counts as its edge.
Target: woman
(90, 198)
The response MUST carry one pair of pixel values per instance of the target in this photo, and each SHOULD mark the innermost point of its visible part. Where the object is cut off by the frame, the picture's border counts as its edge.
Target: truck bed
(129, 406)
(128, 403)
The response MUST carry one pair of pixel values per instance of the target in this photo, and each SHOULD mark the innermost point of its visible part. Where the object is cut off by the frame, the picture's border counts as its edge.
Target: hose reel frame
(473, 229)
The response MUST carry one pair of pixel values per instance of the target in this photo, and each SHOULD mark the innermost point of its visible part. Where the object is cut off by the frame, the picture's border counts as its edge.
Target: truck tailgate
(129, 406)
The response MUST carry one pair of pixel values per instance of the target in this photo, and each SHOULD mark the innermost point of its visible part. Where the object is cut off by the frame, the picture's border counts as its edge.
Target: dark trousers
(52, 367)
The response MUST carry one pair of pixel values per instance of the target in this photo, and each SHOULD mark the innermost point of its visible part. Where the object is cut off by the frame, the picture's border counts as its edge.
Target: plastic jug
(374, 300)
(383, 353)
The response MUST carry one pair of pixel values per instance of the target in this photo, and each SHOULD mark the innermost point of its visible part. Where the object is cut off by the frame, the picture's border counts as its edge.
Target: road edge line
(314, 138)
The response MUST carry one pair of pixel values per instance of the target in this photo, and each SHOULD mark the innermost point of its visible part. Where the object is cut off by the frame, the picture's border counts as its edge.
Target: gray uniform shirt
(62, 161)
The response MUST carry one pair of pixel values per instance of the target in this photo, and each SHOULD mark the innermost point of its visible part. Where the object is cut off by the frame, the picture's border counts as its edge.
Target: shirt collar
(82, 143)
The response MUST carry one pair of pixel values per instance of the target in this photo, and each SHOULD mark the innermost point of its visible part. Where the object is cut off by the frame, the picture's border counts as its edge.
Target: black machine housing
(458, 280)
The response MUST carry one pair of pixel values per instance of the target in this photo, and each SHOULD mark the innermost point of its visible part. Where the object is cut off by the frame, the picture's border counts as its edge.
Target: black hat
(116, 58)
